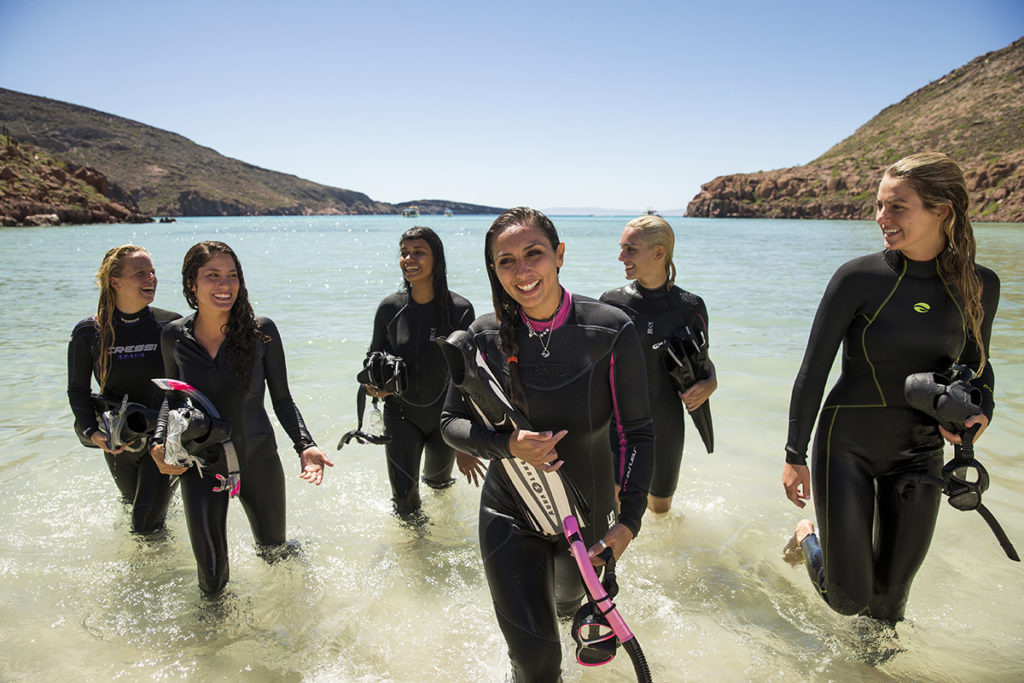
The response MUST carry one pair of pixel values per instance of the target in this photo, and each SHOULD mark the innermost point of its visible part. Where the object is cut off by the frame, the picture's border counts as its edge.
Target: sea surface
(370, 599)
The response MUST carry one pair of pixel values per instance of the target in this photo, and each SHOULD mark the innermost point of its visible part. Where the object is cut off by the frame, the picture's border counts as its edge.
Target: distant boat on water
(448, 213)
(411, 212)
(651, 212)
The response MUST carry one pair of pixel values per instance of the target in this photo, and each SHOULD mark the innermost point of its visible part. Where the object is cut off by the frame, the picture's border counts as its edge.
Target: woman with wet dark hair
(406, 325)
(233, 358)
(574, 368)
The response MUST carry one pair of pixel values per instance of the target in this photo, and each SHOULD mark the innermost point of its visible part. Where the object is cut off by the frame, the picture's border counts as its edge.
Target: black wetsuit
(593, 382)
(263, 489)
(134, 361)
(405, 328)
(657, 314)
(894, 317)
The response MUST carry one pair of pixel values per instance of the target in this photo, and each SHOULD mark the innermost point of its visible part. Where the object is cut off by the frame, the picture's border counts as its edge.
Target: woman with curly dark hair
(406, 325)
(232, 357)
(920, 305)
(120, 348)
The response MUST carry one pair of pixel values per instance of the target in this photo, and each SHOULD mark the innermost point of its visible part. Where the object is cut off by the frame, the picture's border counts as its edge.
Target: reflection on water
(370, 599)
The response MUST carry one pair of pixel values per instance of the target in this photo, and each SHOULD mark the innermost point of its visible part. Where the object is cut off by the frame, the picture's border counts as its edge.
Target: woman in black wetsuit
(232, 357)
(405, 325)
(918, 306)
(658, 308)
(120, 347)
(574, 368)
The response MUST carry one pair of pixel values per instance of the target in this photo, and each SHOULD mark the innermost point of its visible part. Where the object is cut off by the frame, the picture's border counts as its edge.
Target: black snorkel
(950, 399)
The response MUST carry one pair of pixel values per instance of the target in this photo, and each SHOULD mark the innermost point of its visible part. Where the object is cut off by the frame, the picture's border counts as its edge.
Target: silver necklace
(544, 353)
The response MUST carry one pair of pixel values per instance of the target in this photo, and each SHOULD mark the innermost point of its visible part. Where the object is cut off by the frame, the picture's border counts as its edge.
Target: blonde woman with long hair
(119, 347)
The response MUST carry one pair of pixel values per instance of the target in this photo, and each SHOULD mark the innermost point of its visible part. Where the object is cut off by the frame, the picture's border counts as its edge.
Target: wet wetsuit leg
(403, 454)
(263, 498)
(206, 514)
(520, 574)
(124, 468)
(413, 430)
(669, 430)
(153, 494)
(867, 563)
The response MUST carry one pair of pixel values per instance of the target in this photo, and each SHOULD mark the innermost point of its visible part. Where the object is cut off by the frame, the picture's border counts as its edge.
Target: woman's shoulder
(684, 296)
(163, 316)
(592, 312)
(488, 322)
(460, 301)
(84, 326)
(617, 296)
(987, 275)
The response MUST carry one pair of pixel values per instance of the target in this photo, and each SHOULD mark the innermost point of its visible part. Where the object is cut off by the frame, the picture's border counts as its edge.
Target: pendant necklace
(544, 353)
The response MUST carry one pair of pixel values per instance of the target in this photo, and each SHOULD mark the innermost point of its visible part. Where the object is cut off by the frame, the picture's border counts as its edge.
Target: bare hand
(375, 393)
(969, 422)
(695, 396)
(471, 466)
(796, 479)
(157, 453)
(313, 460)
(536, 448)
(616, 538)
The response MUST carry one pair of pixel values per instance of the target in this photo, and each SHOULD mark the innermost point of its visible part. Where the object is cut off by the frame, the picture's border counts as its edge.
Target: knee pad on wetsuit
(438, 484)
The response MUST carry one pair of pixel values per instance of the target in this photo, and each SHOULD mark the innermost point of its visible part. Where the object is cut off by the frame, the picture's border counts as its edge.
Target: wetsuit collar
(918, 270)
(561, 315)
(646, 293)
(131, 318)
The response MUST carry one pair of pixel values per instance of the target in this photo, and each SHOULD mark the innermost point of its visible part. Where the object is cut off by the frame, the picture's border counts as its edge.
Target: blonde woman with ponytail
(659, 309)
(574, 368)
(119, 347)
(920, 305)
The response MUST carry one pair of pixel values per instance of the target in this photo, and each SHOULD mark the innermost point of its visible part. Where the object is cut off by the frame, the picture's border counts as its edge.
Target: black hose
(643, 672)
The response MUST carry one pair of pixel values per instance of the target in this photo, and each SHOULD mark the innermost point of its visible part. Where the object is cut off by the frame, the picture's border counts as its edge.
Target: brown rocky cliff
(974, 114)
(36, 189)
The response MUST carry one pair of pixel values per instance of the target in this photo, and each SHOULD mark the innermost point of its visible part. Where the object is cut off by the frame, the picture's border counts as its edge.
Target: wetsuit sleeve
(986, 379)
(466, 319)
(380, 332)
(635, 459)
(835, 313)
(463, 434)
(276, 372)
(80, 368)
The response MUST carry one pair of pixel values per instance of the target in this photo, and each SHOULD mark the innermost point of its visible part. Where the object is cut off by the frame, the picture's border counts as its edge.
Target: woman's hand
(157, 453)
(376, 393)
(471, 466)
(616, 538)
(313, 460)
(695, 396)
(969, 422)
(796, 479)
(536, 448)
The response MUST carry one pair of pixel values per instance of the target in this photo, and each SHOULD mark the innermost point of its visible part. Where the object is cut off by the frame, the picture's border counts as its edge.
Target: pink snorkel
(605, 608)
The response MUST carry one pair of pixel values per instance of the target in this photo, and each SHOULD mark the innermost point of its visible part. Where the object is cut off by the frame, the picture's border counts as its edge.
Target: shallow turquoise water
(703, 588)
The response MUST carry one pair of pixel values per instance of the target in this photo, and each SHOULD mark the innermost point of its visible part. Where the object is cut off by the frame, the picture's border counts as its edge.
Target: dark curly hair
(241, 330)
(506, 309)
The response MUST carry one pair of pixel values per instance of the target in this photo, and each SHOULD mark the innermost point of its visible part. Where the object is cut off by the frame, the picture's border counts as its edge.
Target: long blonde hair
(111, 266)
(656, 232)
(938, 181)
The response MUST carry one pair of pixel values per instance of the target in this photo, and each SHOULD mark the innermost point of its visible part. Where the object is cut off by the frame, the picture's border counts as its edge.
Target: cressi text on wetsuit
(894, 317)
(592, 382)
(134, 361)
(408, 329)
(263, 487)
(657, 314)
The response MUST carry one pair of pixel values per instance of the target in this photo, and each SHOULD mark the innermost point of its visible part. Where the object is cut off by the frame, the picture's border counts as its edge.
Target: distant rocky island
(159, 173)
(975, 114)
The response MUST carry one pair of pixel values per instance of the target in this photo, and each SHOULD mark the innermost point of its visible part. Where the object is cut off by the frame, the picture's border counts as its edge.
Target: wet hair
(656, 232)
(506, 309)
(111, 266)
(938, 181)
(440, 275)
(241, 329)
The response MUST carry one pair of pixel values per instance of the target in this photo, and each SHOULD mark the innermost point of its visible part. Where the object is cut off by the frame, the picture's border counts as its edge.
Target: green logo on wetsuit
(922, 307)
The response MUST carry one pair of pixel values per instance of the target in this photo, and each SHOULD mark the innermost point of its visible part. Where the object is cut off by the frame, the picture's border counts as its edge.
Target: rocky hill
(974, 114)
(36, 189)
(167, 174)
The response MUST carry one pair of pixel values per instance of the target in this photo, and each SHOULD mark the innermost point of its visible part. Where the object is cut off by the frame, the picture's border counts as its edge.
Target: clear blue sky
(601, 104)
